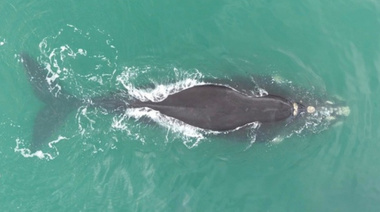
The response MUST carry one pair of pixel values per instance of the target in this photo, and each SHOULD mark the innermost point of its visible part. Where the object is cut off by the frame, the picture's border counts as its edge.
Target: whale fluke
(57, 105)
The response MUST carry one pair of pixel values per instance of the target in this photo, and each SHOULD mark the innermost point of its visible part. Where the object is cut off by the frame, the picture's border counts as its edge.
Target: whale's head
(319, 115)
(329, 110)
(313, 108)
(312, 104)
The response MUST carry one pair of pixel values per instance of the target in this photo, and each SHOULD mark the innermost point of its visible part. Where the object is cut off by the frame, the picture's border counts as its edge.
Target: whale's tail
(58, 104)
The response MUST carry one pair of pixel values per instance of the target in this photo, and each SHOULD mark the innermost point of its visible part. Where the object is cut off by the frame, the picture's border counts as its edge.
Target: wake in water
(57, 63)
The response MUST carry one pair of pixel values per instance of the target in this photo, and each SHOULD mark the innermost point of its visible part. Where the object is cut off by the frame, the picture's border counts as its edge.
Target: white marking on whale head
(295, 109)
(310, 109)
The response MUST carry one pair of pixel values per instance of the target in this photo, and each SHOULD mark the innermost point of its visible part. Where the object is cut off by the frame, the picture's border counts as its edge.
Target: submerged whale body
(210, 106)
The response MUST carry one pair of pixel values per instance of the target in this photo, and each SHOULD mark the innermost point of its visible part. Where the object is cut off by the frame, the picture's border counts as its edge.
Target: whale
(210, 106)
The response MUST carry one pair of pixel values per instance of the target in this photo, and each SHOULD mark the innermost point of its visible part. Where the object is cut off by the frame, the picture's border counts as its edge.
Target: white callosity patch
(310, 109)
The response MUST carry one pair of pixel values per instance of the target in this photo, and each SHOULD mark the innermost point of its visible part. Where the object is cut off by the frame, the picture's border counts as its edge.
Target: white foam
(82, 112)
(2, 41)
(190, 135)
(160, 91)
(58, 52)
(27, 153)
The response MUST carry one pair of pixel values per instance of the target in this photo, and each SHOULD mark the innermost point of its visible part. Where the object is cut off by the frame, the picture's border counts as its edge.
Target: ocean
(324, 52)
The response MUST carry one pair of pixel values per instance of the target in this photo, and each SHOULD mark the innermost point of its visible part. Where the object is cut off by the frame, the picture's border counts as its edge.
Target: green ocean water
(103, 162)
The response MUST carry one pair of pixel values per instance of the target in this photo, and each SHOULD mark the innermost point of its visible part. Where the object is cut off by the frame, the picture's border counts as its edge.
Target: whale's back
(220, 108)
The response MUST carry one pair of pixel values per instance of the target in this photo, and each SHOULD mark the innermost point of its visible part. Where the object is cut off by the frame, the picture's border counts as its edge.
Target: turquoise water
(104, 162)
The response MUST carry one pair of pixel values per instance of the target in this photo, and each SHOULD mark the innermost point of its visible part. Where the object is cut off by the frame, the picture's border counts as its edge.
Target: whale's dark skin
(220, 108)
(56, 106)
(210, 106)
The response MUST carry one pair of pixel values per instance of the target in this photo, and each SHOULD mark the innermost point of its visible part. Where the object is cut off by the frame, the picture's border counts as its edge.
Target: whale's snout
(329, 111)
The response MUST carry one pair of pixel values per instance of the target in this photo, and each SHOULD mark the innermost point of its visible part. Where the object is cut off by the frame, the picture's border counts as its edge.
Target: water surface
(102, 162)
